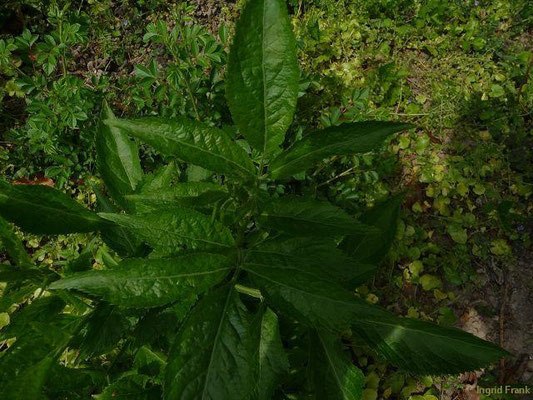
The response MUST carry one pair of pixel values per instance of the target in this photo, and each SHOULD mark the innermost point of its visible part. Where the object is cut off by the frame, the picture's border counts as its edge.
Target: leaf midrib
(263, 73)
(367, 320)
(186, 144)
(88, 215)
(129, 181)
(120, 278)
(311, 152)
(419, 331)
(314, 221)
(332, 365)
(215, 155)
(215, 342)
(154, 228)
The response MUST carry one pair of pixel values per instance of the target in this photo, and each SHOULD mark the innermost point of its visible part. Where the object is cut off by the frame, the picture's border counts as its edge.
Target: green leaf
(423, 347)
(159, 325)
(457, 233)
(263, 75)
(191, 141)
(190, 194)
(273, 362)
(149, 362)
(496, 90)
(198, 174)
(43, 210)
(39, 341)
(315, 302)
(120, 239)
(18, 290)
(308, 217)
(102, 330)
(211, 354)
(117, 159)
(84, 261)
(159, 180)
(416, 346)
(147, 73)
(29, 383)
(175, 228)
(13, 245)
(373, 247)
(72, 383)
(345, 139)
(41, 310)
(130, 387)
(430, 282)
(150, 282)
(318, 256)
(333, 375)
(11, 273)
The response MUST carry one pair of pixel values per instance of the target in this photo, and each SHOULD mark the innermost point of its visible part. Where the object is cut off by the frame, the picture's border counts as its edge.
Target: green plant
(190, 83)
(218, 287)
(465, 170)
(55, 118)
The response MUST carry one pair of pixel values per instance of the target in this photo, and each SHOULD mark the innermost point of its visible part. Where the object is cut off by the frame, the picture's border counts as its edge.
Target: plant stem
(63, 64)
(347, 172)
(193, 99)
(185, 77)
(249, 291)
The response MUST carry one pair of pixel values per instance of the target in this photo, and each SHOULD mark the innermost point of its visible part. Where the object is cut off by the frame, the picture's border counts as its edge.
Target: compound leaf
(345, 139)
(191, 141)
(273, 362)
(150, 282)
(308, 217)
(211, 357)
(13, 245)
(333, 374)
(372, 247)
(117, 158)
(189, 194)
(173, 228)
(44, 210)
(423, 347)
(315, 302)
(318, 256)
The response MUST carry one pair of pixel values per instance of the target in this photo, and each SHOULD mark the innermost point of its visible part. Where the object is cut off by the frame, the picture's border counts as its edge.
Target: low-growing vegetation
(265, 199)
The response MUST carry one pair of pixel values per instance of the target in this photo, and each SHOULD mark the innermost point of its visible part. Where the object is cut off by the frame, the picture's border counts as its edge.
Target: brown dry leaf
(36, 180)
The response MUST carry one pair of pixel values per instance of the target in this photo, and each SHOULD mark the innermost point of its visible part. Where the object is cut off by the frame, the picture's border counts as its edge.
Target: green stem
(63, 65)
(193, 99)
(185, 77)
(249, 291)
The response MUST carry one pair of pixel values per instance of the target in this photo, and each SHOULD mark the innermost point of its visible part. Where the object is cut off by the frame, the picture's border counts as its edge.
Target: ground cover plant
(224, 287)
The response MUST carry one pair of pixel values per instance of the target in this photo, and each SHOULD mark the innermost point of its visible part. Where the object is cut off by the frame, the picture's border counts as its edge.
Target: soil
(501, 311)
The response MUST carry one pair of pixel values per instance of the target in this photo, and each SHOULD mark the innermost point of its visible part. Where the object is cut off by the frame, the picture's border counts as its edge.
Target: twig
(399, 101)
(409, 115)
(348, 171)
